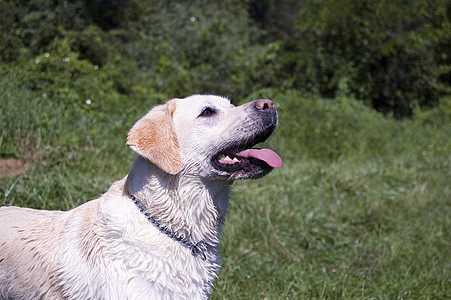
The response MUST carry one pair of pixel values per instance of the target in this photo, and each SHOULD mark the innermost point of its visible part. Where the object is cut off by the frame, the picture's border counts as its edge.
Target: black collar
(194, 247)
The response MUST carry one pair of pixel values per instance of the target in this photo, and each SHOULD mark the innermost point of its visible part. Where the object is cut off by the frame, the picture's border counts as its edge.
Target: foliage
(394, 54)
(207, 50)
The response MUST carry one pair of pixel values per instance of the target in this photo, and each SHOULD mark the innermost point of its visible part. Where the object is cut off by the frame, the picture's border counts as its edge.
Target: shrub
(390, 55)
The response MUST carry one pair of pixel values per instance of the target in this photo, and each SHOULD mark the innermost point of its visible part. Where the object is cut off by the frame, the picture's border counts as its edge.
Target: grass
(360, 210)
(348, 229)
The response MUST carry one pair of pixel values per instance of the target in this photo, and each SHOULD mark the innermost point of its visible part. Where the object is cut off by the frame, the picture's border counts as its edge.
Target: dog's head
(209, 137)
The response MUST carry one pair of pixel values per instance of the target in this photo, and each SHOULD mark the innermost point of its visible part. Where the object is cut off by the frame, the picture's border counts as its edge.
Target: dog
(154, 234)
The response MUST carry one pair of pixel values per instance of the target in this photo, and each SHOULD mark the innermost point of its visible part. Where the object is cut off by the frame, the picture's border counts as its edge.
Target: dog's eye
(207, 112)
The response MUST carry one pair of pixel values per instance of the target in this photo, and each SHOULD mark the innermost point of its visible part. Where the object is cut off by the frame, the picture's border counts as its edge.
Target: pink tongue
(268, 156)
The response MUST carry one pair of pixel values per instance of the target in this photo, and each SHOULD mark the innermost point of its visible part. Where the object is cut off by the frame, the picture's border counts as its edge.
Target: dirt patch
(12, 167)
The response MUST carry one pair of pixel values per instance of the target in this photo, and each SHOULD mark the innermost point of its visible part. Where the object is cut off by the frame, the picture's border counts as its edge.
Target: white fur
(106, 248)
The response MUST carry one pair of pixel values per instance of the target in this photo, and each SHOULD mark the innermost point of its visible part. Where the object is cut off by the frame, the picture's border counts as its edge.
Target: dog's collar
(194, 247)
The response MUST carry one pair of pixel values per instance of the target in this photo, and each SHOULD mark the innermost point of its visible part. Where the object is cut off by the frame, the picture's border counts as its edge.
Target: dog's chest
(133, 273)
(136, 261)
(144, 276)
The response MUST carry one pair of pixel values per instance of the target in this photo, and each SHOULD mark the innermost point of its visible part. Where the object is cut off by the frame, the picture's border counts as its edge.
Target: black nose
(264, 104)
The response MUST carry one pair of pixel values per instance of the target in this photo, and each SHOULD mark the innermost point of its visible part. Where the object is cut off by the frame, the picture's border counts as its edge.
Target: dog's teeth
(226, 159)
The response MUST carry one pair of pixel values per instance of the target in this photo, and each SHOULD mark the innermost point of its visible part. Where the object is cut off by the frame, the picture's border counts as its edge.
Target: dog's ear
(153, 137)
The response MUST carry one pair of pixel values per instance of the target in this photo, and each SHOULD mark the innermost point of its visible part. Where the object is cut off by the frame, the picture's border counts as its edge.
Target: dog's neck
(185, 204)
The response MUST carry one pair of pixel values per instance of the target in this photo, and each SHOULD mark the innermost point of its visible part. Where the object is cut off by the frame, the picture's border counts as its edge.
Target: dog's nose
(264, 104)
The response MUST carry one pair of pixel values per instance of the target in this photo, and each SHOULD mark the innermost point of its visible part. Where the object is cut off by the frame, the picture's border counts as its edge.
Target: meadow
(360, 210)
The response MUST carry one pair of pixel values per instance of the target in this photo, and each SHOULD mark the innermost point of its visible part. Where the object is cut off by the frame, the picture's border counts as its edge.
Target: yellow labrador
(154, 234)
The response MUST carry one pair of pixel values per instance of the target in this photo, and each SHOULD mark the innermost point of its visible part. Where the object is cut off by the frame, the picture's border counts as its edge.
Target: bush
(390, 55)
(201, 47)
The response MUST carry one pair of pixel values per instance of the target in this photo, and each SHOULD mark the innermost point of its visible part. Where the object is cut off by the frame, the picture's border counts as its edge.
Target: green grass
(351, 229)
(360, 210)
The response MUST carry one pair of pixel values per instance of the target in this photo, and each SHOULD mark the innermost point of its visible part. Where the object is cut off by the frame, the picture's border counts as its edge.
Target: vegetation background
(361, 208)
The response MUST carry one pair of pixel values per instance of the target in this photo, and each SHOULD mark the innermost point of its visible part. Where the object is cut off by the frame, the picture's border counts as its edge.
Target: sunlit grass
(353, 229)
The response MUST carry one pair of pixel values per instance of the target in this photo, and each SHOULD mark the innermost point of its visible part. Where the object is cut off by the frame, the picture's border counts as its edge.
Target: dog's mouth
(242, 161)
